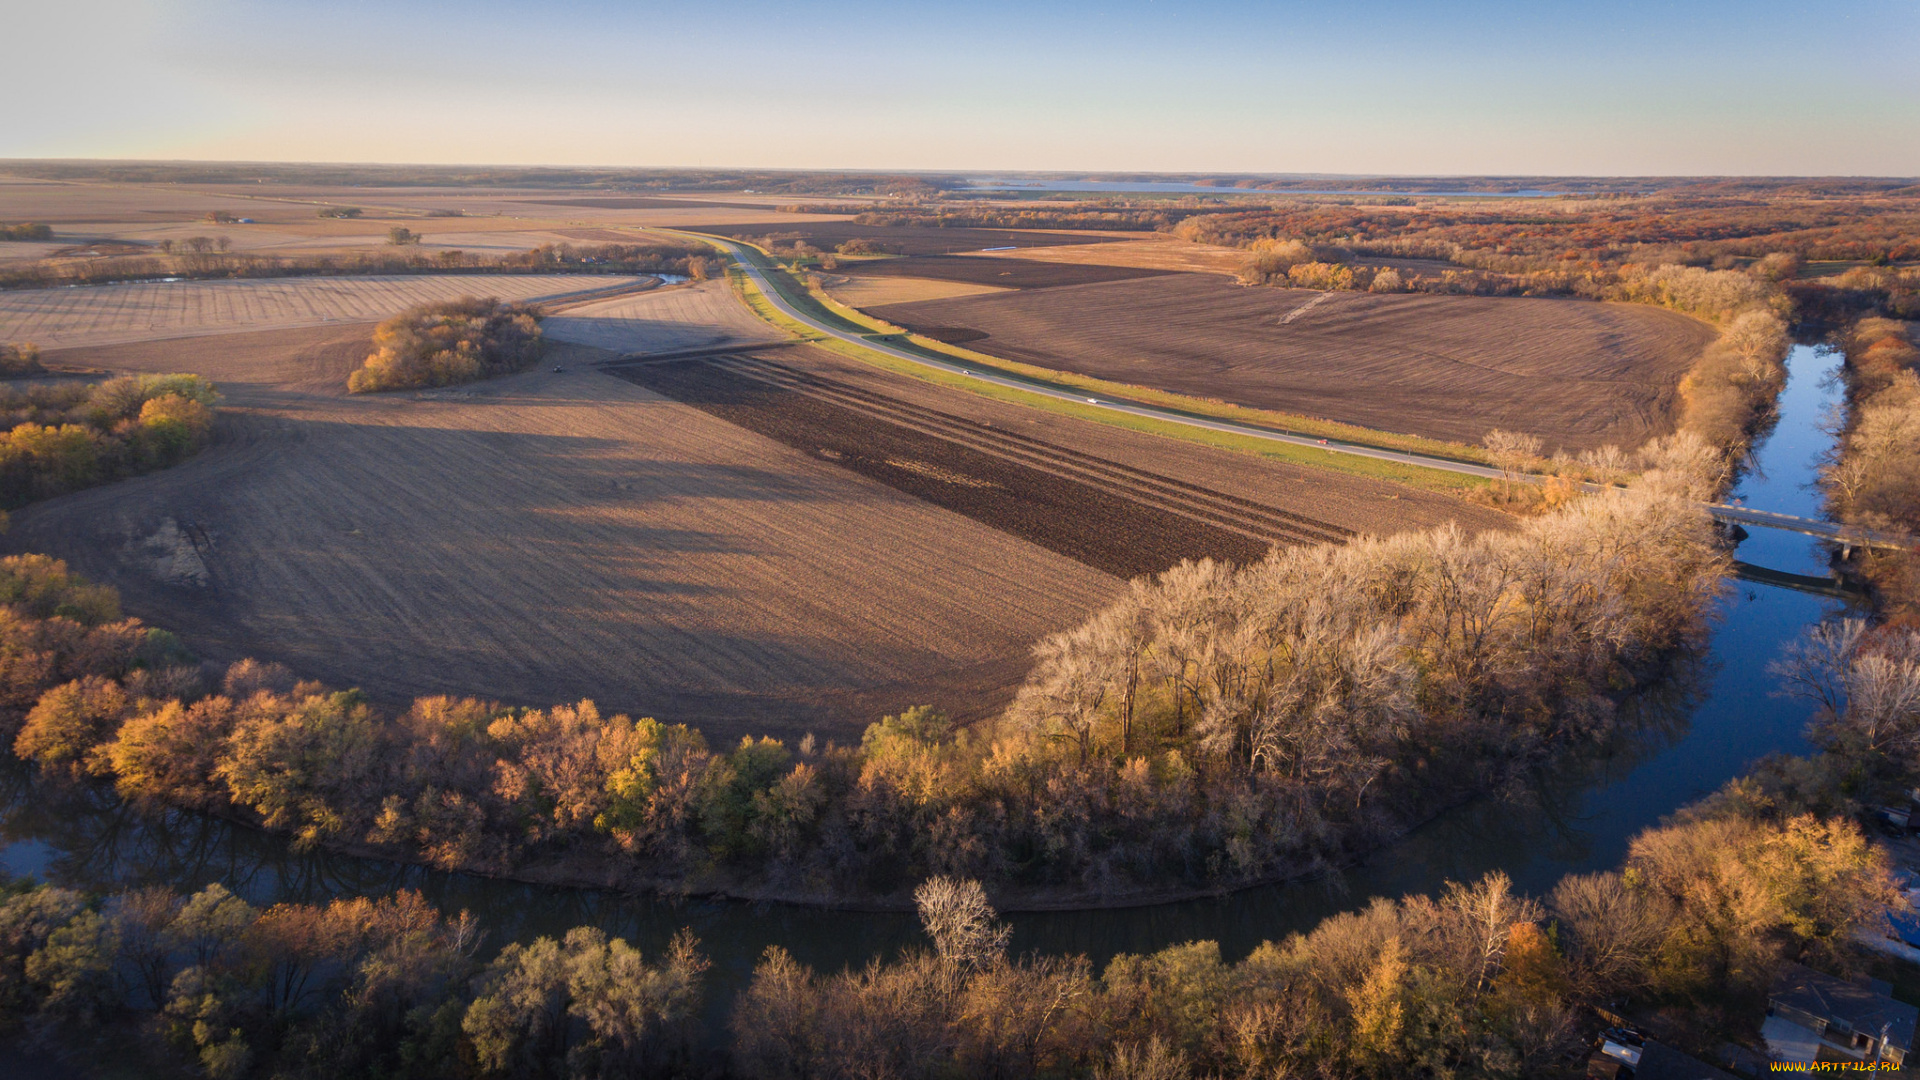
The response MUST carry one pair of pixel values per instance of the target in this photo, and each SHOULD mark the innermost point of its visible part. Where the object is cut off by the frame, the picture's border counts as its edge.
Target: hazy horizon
(1399, 89)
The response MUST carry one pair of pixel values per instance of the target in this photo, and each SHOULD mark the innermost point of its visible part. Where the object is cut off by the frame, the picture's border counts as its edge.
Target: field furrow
(138, 311)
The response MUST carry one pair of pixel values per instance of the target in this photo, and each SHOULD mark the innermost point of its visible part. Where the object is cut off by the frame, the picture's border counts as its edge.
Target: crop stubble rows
(137, 311)
(1577, 373)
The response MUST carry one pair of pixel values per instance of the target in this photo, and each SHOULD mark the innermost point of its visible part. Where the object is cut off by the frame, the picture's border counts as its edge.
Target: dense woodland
(454, 341)
(57, 437)
(1476, 981)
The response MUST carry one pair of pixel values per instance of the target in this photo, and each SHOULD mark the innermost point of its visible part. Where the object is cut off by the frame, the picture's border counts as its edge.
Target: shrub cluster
(453, 341)
(61, 437)
(1215, 727)
(21, 359)
(26, 231)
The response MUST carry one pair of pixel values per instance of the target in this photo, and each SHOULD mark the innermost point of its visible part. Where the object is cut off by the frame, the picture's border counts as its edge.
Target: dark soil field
(901, 239)
(1117, 519)
(1578, 374)
(1005, 273)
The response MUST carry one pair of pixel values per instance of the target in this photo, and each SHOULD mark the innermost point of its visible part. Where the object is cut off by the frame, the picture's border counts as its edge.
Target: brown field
(1153, 253)
(1009, 273)
(286, 222)
(139, 311)
(667, 320)
(1577, 373)
(557, 535)
(873, 290)
(1114, 518)
(552, 536)
(1338, 501)
(826, 233)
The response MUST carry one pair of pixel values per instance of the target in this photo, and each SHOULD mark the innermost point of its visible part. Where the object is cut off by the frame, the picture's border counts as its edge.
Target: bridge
(1847, 536)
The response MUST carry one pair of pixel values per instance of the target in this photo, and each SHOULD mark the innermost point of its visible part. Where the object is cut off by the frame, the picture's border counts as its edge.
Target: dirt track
(1577, 373)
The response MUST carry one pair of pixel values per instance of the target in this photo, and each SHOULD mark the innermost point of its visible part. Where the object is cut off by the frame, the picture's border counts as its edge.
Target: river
(1707, 726)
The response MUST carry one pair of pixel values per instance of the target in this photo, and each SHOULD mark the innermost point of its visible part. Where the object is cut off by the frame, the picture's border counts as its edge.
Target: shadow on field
(551, 538)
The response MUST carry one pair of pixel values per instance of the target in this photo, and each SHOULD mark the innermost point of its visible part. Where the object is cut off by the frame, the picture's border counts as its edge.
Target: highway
(748, 265)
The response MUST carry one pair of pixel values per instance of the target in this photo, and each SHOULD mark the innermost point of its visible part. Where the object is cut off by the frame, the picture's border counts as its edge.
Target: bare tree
(965, 929)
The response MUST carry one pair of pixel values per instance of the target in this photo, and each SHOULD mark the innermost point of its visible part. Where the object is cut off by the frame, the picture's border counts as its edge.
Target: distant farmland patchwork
(1577, 373)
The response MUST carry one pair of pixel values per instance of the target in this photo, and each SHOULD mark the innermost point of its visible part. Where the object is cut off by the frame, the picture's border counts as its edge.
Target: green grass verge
(1351, 464)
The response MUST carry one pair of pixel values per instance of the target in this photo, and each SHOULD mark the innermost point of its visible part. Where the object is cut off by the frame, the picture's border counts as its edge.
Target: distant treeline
(61, 437)
(449, 342)
(206, 258)
(1599, 250)
(1215, 727)
(26, 231)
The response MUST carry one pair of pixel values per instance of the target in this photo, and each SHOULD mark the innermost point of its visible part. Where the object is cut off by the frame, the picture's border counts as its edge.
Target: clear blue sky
(1388, 87)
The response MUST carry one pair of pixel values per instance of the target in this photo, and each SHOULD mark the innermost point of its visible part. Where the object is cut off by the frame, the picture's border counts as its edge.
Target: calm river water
(1701, 731)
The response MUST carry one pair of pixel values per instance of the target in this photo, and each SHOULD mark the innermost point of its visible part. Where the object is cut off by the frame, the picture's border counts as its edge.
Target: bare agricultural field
(829, 233)
(874, 290)
(1007, 273)
(137, 311)
(667, 320)
(1178, 256)
(553, 536)
(1577, 373)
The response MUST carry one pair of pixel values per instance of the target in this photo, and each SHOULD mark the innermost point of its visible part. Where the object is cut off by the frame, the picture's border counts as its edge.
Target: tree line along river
(1703, 727)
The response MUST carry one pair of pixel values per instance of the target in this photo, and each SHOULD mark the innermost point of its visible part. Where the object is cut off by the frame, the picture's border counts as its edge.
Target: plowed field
(667, 320)
(900, 239)
(551, 536)
(1576, 373)
(142, 311)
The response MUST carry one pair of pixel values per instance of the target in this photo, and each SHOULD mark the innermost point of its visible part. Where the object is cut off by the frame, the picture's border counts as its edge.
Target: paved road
(1763, 518)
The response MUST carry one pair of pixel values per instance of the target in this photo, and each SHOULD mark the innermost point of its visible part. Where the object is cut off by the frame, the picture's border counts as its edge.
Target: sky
(1546, 88)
